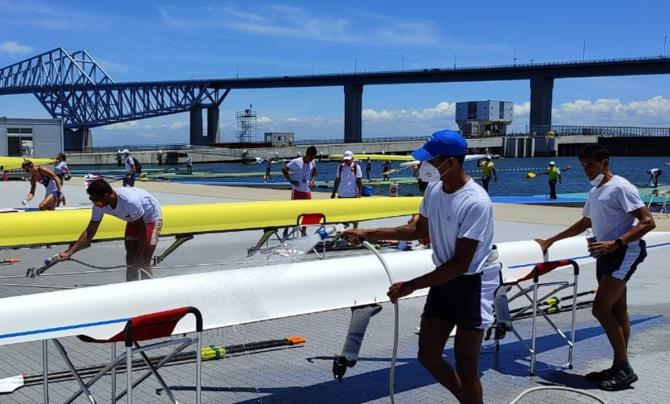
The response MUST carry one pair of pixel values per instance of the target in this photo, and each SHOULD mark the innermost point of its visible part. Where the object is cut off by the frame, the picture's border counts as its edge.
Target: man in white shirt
(458, 215)
(348, 178)
(612, 206)
(129, 178)
(142, 213)
(301, 173)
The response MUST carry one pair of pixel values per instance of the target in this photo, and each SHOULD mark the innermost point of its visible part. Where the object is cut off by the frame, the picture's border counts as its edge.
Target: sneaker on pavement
(598, 376)
(619, 379)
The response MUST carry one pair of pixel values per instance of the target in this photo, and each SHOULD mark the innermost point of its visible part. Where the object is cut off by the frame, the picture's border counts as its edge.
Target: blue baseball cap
(444, 142)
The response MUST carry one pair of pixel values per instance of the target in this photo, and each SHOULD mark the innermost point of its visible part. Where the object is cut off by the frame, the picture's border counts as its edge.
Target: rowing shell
(14, 163)
(239, 296)
(65, 226)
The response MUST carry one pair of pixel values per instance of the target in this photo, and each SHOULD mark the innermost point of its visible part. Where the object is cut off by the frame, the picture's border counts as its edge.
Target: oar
(555, 300)
(208, 353)
(9, 261)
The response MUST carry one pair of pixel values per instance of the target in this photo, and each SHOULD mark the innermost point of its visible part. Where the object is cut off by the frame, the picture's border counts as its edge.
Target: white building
(484, 118)
(30, 137)
(279, 139)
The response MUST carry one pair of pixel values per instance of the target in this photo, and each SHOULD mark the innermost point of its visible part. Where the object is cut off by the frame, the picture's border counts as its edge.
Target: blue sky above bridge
(150, 40)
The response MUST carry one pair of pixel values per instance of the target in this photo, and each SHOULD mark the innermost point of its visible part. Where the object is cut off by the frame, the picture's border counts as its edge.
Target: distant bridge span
(72, 86)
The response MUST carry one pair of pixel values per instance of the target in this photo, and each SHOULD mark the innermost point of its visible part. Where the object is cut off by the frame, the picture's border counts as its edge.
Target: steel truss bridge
(74, 87)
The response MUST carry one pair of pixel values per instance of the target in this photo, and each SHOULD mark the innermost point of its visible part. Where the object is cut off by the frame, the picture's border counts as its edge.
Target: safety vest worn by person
(553, 173)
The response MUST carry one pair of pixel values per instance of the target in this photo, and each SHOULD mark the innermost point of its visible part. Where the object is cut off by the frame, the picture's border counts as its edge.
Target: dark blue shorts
(466, 301)
(622, 263)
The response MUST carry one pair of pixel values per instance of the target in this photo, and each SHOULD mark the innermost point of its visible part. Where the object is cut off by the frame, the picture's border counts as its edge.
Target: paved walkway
(304, 374)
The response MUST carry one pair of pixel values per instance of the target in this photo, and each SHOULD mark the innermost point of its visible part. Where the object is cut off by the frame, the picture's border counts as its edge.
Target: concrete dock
(303, 374)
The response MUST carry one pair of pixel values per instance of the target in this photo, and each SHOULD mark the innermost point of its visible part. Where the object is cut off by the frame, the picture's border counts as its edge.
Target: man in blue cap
(457, 214)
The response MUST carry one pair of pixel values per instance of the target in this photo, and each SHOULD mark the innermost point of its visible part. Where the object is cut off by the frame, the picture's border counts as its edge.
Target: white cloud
(653, 111)
(176, 125)
(294, 22)
(14, 48)
(121, 126)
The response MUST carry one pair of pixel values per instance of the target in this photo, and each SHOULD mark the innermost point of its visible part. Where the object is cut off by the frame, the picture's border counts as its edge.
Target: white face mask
(599, 178)
(596, 181)
(428, 172)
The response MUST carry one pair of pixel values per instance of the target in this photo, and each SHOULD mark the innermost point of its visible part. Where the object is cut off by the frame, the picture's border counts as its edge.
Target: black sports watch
(619, 243)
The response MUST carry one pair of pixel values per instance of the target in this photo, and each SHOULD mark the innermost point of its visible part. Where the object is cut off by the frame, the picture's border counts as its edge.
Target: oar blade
(10, 384)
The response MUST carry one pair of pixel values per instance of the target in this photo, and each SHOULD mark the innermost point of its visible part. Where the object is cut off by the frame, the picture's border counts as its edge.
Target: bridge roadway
(87, 97)
(510, 146)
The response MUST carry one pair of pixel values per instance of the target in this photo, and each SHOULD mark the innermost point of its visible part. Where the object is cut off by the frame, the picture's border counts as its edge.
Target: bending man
(612, 206)
(458, 215)
(142, 213)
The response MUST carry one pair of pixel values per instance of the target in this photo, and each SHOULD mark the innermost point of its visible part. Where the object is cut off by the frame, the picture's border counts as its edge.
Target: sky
(180, 40)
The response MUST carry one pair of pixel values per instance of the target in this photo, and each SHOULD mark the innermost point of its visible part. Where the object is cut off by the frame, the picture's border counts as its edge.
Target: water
(512, 172)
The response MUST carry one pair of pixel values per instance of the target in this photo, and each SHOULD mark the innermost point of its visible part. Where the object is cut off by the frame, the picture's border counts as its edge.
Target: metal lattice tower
(74, 87)
(246, 125)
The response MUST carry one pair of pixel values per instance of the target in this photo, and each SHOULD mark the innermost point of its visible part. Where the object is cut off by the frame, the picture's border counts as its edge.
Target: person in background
(129, 177)
(61, 170)
(386, 167)
(619, 220)
(654, 175)
(488, 169)
(142, 214)
(159, 157)
(301, 173)
(554, 174)
(43, 175)
(348, 178)
(189, 164)
(268, 169)
(119, 159)
(368, 168)
(458, 215)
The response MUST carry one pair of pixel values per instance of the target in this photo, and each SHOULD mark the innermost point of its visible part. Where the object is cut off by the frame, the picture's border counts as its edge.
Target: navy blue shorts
(622, 263)
(466, 301)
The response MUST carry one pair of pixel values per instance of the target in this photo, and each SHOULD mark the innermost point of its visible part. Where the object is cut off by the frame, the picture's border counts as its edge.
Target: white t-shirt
(59, 169)
(348, 176)
(466, 213)
(131, 204)
(608, 207)
(301, 172)
(129, 164)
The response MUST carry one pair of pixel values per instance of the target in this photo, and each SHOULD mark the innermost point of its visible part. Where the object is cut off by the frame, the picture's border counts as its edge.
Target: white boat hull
(247, 295)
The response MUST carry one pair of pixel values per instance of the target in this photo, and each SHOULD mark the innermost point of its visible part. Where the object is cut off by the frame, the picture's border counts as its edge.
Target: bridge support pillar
(353, 112)
(541, 94)
(77, 140)
(213, 131)
(196, 135)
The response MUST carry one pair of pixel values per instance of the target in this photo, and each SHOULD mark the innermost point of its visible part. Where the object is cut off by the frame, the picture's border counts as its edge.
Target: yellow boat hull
(64, 226)
(376, 157)
(14, 163)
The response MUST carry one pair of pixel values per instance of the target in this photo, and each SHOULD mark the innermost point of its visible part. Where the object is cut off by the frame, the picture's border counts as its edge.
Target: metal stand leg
(198, 370)
(45, 370)
(129, 374)
(113, 373)
(533, 352)
(573, 330)
(73, 370)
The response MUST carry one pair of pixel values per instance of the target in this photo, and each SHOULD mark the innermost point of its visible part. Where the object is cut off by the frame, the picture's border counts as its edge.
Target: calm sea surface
(511, 173)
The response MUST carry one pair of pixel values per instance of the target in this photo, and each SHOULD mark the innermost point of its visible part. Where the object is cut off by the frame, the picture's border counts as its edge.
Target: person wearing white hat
(129, 178)
(348, 178)
(554, 174)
